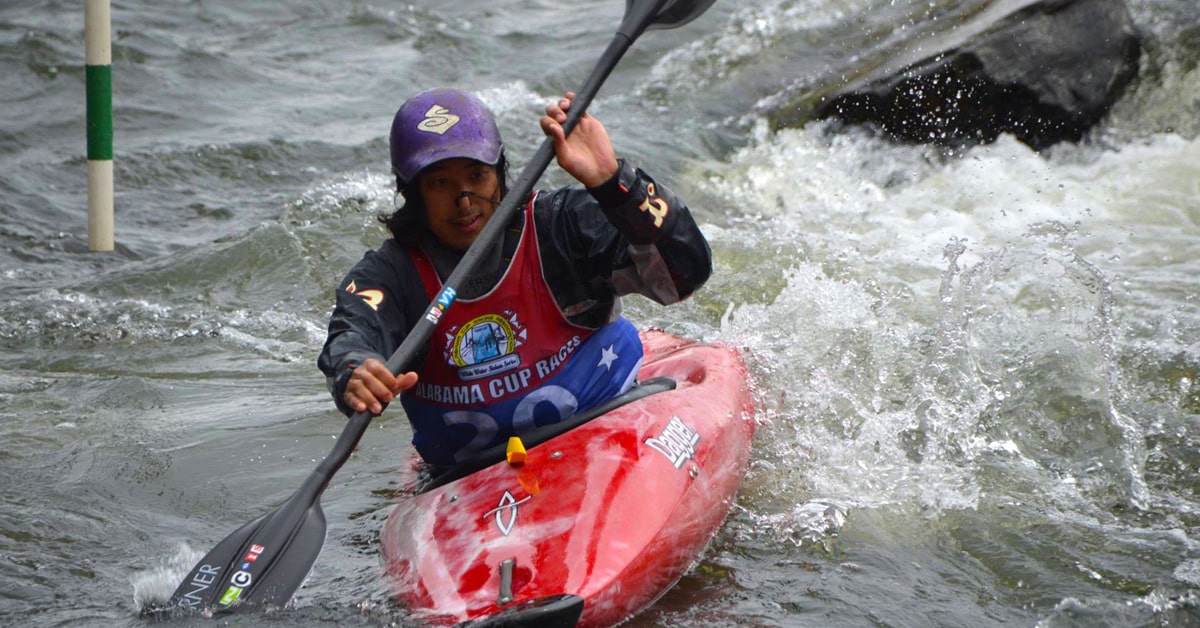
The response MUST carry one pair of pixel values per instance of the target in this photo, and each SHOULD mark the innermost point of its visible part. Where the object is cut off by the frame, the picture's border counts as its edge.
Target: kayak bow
(597, 522)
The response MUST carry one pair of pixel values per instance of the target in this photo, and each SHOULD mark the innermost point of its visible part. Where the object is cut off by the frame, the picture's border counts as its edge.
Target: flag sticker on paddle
(438, 307)
(255, 550)
(677, 442)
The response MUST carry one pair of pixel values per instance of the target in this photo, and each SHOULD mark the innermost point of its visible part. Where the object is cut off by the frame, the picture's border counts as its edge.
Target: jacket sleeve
(667, 257)
(372, 314)
(631, 235)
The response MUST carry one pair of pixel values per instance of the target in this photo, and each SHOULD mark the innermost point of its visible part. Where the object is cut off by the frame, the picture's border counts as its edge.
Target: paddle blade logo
(231, 595)
(202, 577)
(438, 120)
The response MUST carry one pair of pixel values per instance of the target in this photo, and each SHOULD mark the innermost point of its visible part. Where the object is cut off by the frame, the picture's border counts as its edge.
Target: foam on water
(946, 324)
(979, 369)
(153, 588)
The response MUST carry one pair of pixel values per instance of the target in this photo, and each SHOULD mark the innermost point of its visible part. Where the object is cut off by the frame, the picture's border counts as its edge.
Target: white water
(978, 369)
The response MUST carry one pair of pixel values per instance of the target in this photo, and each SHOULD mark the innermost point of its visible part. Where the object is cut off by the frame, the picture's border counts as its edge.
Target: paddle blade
(676, 13)
(261, 564)
(641, 15)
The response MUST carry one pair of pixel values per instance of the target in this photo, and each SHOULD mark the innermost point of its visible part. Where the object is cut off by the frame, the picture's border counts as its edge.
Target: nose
(463, 199)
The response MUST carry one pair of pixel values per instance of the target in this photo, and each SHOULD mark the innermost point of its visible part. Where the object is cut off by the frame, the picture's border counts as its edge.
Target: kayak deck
(610, 513)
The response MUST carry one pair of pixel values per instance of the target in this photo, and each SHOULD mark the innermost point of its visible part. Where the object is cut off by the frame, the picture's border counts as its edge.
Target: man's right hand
(371, 385)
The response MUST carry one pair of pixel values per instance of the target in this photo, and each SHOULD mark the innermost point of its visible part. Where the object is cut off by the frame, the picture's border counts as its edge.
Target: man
(535, 335)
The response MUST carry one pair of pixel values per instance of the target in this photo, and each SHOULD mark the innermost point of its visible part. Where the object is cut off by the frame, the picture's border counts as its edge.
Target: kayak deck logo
(506, 512)
(677, 442)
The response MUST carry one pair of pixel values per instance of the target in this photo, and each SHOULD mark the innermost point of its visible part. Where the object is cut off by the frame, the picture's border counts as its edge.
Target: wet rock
(1046, 73)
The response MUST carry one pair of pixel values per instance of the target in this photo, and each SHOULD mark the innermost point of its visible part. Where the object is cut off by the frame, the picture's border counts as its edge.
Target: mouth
(467, 222)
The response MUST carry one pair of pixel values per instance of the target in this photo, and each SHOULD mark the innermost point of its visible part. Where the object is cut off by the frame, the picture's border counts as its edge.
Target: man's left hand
(587, 154)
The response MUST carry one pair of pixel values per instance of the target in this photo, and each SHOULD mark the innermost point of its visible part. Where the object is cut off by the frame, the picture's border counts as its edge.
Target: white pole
(98, 72)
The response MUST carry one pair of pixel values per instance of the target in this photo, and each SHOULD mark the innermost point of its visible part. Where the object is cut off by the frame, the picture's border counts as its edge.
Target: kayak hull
(612, 512)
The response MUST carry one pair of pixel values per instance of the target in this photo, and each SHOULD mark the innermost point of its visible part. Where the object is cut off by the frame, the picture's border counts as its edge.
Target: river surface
(979, 368)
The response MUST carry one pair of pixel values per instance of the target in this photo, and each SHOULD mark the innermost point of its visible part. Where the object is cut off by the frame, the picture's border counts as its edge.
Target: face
(454, 218)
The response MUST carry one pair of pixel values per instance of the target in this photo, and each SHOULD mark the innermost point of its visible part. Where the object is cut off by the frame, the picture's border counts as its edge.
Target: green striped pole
(98, 37)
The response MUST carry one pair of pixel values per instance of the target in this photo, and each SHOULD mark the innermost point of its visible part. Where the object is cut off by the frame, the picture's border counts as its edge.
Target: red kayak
(604, 515)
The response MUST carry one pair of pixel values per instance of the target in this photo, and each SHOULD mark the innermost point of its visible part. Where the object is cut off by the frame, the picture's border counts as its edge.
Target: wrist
(613, 191)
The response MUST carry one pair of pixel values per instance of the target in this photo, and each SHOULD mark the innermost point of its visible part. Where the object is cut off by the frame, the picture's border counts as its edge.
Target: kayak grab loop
(506, 572)
(555, 611)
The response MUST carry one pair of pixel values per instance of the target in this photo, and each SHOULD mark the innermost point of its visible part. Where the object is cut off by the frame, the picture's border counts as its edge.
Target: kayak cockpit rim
(496, 454)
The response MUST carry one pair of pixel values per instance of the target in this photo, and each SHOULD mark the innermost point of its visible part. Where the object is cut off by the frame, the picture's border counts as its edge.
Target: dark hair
(407, 223)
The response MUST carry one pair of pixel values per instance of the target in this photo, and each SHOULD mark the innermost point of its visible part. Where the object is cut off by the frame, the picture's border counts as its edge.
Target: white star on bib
(607, 357)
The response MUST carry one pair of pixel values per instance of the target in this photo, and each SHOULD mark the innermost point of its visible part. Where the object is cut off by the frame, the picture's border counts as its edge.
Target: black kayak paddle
(263, 563)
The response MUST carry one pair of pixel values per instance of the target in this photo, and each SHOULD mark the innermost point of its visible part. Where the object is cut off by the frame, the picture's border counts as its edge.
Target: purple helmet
(442, 124)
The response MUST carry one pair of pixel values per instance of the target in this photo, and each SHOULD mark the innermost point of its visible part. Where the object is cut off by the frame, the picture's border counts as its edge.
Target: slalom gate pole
(98, 77)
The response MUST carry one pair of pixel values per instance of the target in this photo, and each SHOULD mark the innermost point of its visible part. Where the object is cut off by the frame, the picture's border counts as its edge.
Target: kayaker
(536, 334)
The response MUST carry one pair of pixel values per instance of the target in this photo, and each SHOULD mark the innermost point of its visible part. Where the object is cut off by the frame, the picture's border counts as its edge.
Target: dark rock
(1046, 73)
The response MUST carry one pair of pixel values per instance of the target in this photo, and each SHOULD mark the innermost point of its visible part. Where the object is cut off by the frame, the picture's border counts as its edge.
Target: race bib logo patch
(486, 346)
(438, 120)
